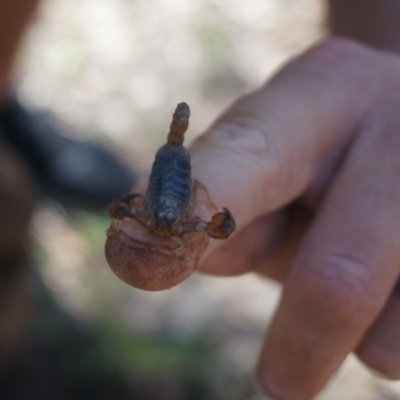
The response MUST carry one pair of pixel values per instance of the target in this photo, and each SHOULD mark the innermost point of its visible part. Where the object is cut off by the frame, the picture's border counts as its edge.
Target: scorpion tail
(179, 124)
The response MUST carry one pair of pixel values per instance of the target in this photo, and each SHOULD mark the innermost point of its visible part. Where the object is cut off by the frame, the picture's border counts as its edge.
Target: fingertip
(274, 387)
(380, 348)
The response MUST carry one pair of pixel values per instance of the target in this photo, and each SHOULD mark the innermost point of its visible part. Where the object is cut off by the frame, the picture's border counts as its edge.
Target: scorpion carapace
(170, 198)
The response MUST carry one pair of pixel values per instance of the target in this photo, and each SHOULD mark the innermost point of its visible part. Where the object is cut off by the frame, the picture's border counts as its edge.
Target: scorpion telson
(168, 204)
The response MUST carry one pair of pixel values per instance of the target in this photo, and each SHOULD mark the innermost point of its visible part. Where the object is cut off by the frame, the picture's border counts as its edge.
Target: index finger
(274, 143)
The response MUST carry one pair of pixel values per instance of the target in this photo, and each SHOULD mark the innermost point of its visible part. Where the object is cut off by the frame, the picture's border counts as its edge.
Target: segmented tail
(179, 124)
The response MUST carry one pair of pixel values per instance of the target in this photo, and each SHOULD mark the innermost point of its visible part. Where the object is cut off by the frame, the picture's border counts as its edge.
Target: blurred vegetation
(112, 71)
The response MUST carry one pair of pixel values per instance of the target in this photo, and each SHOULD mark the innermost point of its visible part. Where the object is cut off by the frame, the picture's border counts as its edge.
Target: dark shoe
(78, 174)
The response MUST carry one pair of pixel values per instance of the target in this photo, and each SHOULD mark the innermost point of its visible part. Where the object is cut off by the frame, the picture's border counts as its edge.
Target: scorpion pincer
(156, 241)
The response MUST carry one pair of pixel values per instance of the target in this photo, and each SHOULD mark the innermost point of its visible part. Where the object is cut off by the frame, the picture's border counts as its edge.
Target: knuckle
(242, 133)
(347, 64)
(372, 70)
(246, 134)
(338, 51)
(338, 285)
(245, 128)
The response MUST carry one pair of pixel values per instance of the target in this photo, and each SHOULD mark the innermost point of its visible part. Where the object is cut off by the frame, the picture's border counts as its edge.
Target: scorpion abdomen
(169, 194)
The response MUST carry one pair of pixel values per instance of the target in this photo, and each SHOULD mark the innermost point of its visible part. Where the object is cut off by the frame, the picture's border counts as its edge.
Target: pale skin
(338, 248)
(309, 166)
(325, 134)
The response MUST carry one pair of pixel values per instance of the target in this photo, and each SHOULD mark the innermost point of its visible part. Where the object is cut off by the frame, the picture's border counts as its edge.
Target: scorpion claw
(222, 225)
(123, 206)
(129, 199)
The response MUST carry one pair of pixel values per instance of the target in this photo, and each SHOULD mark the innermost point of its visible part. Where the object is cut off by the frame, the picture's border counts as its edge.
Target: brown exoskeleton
(170, 198)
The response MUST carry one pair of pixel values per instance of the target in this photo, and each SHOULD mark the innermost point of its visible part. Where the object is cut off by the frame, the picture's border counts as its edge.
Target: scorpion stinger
(179, 124)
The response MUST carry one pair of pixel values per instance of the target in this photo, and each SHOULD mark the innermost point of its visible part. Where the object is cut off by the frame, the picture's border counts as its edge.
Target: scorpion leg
(191, 225)
(180, 241)
(124, 208)
(121, 208)
(178, 229)
(197, 185)
(222, 224)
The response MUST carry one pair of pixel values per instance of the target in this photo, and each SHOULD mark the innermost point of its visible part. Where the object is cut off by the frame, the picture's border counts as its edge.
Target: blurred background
(112, 71)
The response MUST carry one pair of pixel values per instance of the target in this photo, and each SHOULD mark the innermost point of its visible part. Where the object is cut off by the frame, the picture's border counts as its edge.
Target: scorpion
(169, 201)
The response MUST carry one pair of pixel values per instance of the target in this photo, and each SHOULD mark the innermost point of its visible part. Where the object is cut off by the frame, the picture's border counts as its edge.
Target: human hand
(309, 167)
